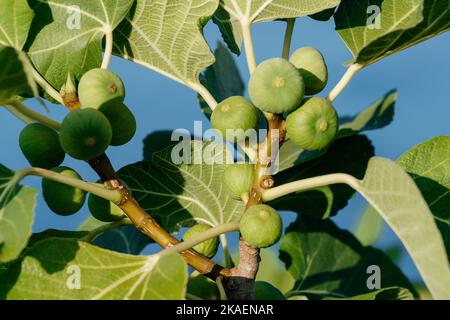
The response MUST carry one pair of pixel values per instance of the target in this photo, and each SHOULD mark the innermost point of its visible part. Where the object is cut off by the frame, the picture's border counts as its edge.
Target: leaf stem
(211, 233)
(108, 49)
(344, 81)
(17, 114)
(222, 293)
(205, 94)
(308, 184)
(106, 227)
(226, 252)
(249, 47)
(47, 86)
(290, 23)
(111, 195)
(26, 114)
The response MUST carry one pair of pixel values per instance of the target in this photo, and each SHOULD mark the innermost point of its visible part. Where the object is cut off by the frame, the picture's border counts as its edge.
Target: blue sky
(420, 74)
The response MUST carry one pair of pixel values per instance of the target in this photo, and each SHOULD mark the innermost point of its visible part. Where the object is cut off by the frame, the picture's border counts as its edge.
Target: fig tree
(104, 210)
(238, 178)
(311, 64)
(122, 120)
(85, 134)
(261, 226)
(234, 113)
(314, 125)
(99, 86)
(207, 248)
(60, 198)
(276, 86)
(40, 145)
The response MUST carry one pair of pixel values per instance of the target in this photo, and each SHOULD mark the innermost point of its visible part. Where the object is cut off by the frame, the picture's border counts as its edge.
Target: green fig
(104, 210)
(276, 86)
(234, 113)
(99, 86)
(261, 226)
(238, 179)
(311, 64)
(122, 120)
(207, 248)
(85, 134)
(314, 125)
(40, 145)
(62, 199)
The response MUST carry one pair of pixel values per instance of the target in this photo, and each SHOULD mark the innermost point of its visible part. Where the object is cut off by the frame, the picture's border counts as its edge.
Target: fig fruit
(60, 198)
(261, 226)
(85, 134)
(122, 120)
(314, 125)
(99, 86)
(311, 64)
(276, 86)
(40, 145)
(207, 248)
(104, 210)
(234, 113)
(238, 178)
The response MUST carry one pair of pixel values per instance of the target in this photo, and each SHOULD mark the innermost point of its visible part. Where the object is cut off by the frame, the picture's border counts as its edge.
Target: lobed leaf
(15, 22)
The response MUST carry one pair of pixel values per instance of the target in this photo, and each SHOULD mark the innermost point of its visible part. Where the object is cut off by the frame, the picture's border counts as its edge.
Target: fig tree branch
(340, 86)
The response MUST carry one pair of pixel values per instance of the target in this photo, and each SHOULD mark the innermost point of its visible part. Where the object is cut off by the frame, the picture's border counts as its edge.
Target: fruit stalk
(290, 23)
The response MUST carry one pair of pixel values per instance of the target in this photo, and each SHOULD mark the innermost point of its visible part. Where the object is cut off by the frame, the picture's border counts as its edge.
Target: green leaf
(202, 287)
(222, 79)
(402, 24)
(429, 165)
(394, 293)
(50, 268)
(17, 205)
(273, 271)
(16, 74)
(391, 191)
(156, 141)
(376, 116)
(166, 36)
(235, 13)
(326, 261)
(349, 155)
(324, 15)
(124, 239)
(177, 194)
(369, 228)
(64, 39)
(15, 21)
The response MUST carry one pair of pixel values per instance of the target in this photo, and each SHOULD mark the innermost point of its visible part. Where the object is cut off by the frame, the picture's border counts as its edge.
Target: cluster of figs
(102, 120)
(283, 87)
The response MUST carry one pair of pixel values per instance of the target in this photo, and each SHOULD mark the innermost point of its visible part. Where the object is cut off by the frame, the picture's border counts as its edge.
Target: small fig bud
(60, 198)
(276, 86)
(311, 64)
(314, 125)
(261, 226)
(40, 145)
(85, 134)
(233, 117)
(238, 179)
(207, 248)
(100, 86)
(104, 210)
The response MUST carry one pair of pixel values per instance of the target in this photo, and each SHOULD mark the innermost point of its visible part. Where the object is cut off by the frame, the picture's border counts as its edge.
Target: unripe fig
(85, 134)
(207, 248)
(261, 226)
(104, 210)
(40, 145)
(314, 125)
(276, 86)
(234, 113)
(122, 120)
(311, 64)
(60, 198)
(238, 178)
(266, 291)
(99, 86)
